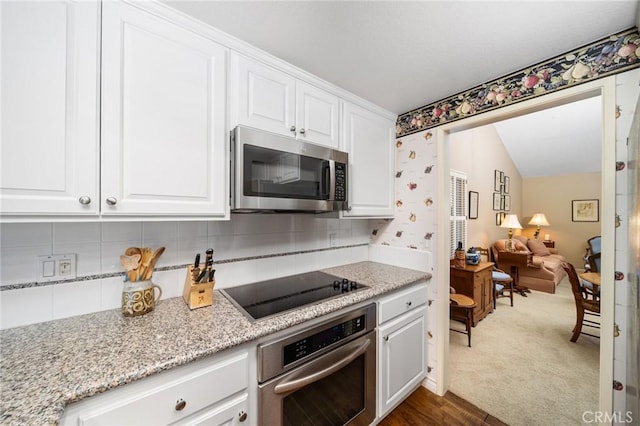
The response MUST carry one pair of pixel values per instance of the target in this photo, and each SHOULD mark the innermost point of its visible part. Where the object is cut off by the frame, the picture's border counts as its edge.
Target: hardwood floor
(423, 407)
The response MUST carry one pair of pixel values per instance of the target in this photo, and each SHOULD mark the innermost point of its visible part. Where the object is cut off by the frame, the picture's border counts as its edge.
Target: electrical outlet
(56, 267)
(333, 239)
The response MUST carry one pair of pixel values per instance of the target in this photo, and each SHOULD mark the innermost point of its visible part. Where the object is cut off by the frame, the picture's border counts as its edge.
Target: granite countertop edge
(172, 334)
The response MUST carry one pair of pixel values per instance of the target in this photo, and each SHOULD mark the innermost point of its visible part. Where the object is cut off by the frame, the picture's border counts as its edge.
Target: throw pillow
(538, 248)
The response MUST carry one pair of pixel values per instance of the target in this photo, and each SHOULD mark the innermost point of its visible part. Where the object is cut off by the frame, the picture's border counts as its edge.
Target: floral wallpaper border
(614, 54)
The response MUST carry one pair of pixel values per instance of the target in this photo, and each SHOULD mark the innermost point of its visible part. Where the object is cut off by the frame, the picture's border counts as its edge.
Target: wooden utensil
(152, 263)
(130, 264)
(147, 255)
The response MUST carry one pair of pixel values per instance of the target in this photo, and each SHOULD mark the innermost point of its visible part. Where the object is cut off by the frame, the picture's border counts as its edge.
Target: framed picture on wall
(473, 205)
(497, 201)
(497, 180)
(506, 185)
(499, 218)
(585, 210)
(507, 202)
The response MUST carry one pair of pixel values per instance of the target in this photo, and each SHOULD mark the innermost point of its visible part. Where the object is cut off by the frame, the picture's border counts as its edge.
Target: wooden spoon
(152, 263)
(130, 264)
(135, 273)
(147, 255)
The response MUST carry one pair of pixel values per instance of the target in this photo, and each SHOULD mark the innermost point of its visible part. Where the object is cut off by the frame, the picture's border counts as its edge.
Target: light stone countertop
(45, 366)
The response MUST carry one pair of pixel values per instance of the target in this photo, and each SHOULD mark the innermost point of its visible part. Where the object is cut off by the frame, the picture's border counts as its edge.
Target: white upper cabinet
(49, 92)
(164, 142)
(266, 98)
(368, 138)
(261, 96)
(317, 115)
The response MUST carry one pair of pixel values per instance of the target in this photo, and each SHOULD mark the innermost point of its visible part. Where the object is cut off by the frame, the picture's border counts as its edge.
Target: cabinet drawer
(160, 403)
(401, 302)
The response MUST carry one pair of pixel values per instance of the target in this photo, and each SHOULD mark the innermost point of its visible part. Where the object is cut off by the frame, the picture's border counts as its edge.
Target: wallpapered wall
(415, 196)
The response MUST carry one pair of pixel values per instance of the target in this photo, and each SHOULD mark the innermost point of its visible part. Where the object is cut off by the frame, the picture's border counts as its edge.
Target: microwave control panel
(341, 182)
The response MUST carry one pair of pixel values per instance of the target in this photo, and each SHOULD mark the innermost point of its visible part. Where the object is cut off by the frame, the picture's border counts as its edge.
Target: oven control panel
(311, 344)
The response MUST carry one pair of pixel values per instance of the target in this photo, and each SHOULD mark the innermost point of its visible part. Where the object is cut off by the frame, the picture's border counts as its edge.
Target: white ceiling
(403, 55)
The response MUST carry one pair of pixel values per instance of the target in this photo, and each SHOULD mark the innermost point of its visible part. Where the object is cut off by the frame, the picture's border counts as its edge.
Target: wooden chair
(502, 282)
(592, 254)
(461, 309)
(586, 303)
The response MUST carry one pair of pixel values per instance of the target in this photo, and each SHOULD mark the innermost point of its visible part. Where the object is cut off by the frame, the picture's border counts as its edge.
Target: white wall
(477, 153)
(305, 238)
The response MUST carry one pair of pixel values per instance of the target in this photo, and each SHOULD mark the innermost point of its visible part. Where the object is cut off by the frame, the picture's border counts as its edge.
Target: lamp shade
(539, 219)
(511, 221)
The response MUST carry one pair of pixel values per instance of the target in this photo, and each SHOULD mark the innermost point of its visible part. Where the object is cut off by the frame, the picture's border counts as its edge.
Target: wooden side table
(475, 282)
(511, 261)
(550, 244)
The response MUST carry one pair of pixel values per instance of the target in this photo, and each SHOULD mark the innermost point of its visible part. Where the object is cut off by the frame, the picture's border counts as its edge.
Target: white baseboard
(406, 258)
(430, 384)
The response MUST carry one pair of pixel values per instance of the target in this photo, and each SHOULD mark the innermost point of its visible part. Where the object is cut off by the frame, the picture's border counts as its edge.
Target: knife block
(197, 295)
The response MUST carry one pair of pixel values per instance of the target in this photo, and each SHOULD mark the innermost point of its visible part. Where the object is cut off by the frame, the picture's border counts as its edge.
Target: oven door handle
(293, 385)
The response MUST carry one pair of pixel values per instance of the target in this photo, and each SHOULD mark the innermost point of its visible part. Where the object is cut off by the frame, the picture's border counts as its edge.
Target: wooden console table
(511, 261)
(475, 282)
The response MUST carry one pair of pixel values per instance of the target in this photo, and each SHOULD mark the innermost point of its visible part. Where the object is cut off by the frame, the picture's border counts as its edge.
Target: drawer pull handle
(181, 404)
(242, 416)
(386, 338)
(409, 303)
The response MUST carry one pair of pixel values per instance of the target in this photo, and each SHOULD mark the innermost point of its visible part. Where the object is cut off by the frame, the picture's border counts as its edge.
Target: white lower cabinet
(211, 391)
(402, 358)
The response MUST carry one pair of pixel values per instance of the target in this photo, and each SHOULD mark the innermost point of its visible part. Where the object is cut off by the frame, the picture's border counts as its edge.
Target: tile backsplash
(249, 247)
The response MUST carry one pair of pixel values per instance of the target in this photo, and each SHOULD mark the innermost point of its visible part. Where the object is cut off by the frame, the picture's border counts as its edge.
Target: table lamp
(538, 219)
(511, 221)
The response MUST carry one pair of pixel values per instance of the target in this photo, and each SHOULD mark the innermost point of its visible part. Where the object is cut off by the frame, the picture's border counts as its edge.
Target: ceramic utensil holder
(138, 297)
(197, 295)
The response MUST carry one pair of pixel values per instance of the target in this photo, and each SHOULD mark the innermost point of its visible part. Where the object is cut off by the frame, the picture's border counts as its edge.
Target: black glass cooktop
(271, 297)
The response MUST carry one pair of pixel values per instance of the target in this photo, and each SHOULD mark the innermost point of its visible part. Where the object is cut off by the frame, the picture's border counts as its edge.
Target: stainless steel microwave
(271, 172)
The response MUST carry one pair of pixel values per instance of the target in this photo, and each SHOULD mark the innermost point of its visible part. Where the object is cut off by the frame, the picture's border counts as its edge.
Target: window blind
(458, 213)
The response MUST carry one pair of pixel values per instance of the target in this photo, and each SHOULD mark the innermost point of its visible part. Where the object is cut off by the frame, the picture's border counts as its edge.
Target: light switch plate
(56, 267)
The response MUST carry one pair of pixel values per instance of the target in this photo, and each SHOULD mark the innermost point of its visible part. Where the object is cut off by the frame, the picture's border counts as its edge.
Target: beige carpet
(522, 368)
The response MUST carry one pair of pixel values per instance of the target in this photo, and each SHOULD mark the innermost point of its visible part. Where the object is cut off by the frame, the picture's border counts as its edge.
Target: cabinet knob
(293, 128)
(302, 131)
(242, 416)
(84, 200)
(409, 303)
(112, 201)
(386, 338)
(180, 404)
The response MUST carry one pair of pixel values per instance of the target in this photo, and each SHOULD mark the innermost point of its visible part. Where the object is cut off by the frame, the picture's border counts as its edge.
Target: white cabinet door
(49, 120)
(368, 138)
(262, 97)
(317, 116)
(401, 358)
(164, 142)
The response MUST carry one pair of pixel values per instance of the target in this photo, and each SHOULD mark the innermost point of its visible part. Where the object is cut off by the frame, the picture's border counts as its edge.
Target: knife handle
(197, 262)
(201, 276)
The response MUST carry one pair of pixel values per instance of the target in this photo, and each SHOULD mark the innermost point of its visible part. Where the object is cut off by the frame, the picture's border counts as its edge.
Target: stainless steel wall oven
(322, 375)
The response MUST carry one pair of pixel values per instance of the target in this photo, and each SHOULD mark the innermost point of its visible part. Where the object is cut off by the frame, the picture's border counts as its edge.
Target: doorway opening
(606, 89)
(547, 158)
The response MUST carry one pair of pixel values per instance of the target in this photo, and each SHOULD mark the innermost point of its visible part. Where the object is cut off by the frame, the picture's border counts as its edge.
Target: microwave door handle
(293, 385)
(329, 181)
